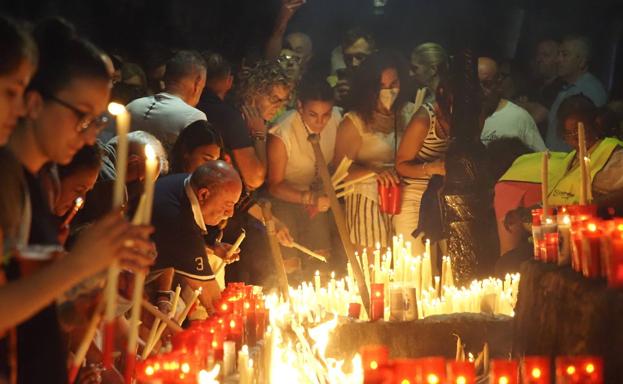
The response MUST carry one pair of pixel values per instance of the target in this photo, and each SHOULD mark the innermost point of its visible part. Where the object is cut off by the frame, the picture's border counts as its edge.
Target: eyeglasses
(275, 100)
(86, 122)
(289, 59)
(349, 58)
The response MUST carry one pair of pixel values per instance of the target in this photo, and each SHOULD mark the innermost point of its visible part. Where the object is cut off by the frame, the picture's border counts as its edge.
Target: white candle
(545, 182)
(377, 263)
(317, 281)
(229, 357)
(151, 173)
(123, 126)
(243, 360)
(583, 171)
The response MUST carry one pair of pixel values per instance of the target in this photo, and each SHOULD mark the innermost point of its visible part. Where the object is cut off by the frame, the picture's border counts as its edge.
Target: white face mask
(388, 96)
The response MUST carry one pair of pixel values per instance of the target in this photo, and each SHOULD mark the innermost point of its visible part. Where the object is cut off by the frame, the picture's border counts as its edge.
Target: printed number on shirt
(199, 261)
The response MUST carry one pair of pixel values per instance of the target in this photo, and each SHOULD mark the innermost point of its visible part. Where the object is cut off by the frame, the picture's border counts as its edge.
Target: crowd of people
(229, 135)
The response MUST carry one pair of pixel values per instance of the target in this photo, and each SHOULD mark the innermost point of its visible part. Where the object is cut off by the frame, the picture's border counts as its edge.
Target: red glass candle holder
(551, 247)
(261, 318)
(405, 371)
(536, 370)
(614, 259)
(354, 310)
(579, 370)
(373, 358)
(390, 198)
(461, 372)
(577, 226)
(503, 372)
(431, 370)
(377, 301)
(591, 250)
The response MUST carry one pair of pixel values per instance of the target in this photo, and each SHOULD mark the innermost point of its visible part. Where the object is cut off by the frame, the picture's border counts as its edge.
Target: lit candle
(317, 281)
(564, 234)
(591, 251)
(377, 298)
(243, 361)
(503, 371)
(461, 372)
(229, 357)
(536, 370)
(614, 258)
(377, 262)
(431, 370)
(151, 173)
(123, 126)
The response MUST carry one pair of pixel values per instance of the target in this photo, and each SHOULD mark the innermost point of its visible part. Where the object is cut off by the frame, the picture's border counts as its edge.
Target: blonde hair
(431, 54)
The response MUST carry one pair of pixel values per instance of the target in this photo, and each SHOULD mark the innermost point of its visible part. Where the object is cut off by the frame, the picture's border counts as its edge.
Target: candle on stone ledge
(431, 370)
(579, 370)
(564, 234)
(377, 299)
(551, 247)
(614, 257)
(373, 357)
(536, 370)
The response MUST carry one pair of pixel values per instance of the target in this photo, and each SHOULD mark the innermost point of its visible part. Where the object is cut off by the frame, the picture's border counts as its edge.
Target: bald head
(213, 174)
(301, 44)
(573, 57)
(487, 69)
(217, 186)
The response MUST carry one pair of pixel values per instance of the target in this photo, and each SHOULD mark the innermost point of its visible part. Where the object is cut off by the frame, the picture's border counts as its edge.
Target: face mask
(388, 96)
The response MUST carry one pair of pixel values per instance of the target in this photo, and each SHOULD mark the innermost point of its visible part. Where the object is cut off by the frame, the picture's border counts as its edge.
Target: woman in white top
(368, 135)
(293, 179)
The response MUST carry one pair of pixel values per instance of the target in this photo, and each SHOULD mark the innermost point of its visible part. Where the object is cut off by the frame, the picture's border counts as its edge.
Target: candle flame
(78, 202)
(566, 220)
(116, 108)
(592, 227)
(570, 370)
(536, 373)
(461, 380)
(209, 377)
(590, 368)
(503, 380)
(432, 379)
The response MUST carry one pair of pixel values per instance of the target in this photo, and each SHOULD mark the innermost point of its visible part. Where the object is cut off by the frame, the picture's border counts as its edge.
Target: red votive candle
(431, 370)
(614, 258)
(250, 324)
(503, 372)
(536, 370)
(234, 326)
(579, 370)
(405, 371)
(551, 247)
(377, 300)
(354, 310)
(373, 358)
(591, 250)
(577, 226)
(537, 235)
(461, 372)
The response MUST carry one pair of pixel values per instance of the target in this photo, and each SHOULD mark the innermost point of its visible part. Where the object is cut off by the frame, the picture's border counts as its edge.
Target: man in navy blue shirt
(184, 205)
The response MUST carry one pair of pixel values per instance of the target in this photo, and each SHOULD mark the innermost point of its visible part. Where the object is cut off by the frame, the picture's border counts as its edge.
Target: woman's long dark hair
(196, 135)
(365, 87)
(89, 157)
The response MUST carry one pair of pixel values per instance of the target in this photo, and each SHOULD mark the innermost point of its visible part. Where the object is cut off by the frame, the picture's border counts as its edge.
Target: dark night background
(502, 28)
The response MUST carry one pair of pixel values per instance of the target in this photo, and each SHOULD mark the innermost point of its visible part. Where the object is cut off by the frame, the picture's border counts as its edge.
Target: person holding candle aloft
(606, 165)
(63, 107)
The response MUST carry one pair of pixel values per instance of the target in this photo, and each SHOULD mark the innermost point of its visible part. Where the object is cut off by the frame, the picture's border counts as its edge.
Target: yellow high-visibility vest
(564, 181)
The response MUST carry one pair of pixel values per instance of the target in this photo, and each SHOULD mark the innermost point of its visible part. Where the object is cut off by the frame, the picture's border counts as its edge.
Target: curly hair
(366, 83)
(259, 79)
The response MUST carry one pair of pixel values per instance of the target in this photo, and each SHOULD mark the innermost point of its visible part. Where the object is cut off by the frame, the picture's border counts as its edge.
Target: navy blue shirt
(179, 240)
(227, 120)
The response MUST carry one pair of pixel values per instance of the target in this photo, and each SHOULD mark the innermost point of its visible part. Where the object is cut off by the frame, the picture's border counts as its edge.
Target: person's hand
(110, 238)
(92, 374)
(388, 177)
(221, 250)
(323, 204)
(342, 89)
(283, 235)
(255, 121)
(288, 9)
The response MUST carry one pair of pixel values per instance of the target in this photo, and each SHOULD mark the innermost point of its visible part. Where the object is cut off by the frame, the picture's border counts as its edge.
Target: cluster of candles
(378, 368)
(574, 235)
(199, 352)
(402, 288)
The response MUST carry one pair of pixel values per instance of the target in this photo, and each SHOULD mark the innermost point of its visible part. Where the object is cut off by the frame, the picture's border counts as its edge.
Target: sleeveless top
(377, 149)
(300, 169)
(433, 148)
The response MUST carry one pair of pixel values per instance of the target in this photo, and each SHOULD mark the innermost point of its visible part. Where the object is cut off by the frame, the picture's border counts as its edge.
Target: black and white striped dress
(433, 148)
(366, 223)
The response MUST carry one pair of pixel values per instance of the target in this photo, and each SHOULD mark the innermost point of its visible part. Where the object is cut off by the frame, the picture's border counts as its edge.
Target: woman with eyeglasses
(369, 134)
(62, 105)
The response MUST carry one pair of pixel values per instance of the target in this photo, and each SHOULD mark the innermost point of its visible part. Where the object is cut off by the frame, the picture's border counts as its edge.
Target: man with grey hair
(184, 205)
(165, 114)
(573, 64)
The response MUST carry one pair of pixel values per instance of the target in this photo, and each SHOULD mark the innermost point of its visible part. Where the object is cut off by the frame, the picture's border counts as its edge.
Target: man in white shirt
(165, 114)
(507, 119)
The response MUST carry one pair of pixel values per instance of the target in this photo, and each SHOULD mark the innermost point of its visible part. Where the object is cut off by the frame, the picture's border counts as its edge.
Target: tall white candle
(545, 182)
(123, 126)
(229, 357)
(583, 172)
(151, 173)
